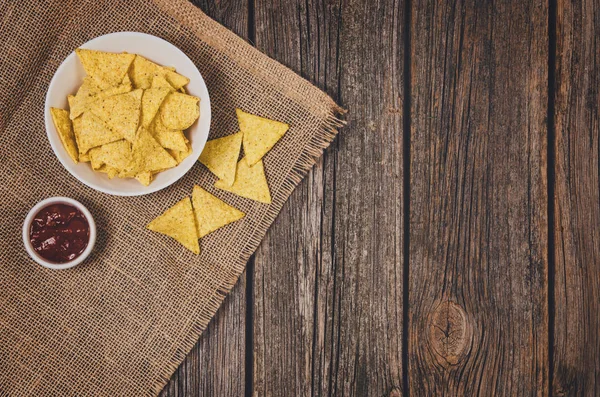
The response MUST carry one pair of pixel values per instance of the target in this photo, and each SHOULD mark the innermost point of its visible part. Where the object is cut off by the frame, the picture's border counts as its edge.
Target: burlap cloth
(121, 323)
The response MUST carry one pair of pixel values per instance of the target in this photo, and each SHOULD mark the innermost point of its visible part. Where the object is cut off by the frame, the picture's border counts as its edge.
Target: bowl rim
(43, 204)
(144, 190)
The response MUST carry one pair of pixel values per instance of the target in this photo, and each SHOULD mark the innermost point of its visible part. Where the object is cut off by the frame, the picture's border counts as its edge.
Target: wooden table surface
(448, 242)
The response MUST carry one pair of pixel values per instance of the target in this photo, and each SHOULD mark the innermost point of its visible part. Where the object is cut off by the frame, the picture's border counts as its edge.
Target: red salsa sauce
(59, 233)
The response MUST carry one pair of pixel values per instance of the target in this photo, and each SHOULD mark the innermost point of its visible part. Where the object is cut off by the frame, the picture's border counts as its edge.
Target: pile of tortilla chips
(245, 177)
(128, 118)
(187, 221)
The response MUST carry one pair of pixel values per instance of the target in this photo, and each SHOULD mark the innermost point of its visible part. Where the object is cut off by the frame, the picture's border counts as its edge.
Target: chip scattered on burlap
(121, 323)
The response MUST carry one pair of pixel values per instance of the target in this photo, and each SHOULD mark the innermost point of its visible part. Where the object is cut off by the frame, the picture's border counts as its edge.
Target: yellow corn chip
(121, 113)
(212, 213)
(89, 92)
(169, 139)
(250, 182)
(178, 222)
(106, 68)
(93, 132)
(182, 90)
(144, 178)
(151, 100)
(220, 156)
(159, 81)
(175, 79)
(179, 111)
(77, 132)
(115, 155)
(65, 132)
(143, 71)
(108, 170)
(260, 134)
(148, 155)
(180, 156)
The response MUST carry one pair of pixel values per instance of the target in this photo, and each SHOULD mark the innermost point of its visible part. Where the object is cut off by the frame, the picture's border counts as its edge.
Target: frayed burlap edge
(296, 88)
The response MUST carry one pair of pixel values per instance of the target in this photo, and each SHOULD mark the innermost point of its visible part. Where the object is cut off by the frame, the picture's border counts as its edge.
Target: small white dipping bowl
(27, 226)
(68, 78)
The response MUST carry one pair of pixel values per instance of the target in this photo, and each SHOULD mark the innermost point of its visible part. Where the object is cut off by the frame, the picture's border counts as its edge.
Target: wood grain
(577, 201)
(478, 201)
(216, 365)
(328, 281)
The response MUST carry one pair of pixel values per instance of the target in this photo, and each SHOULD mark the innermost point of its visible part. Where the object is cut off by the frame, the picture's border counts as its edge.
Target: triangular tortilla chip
(84, 158)
(169, 139)
(178, 222)
(65, 132)
(77, 131)
(121, 113)
(151, 101)
(108, 170)
(93, 132)
(159, 81)
(89, 92)
(106, 68)
(148, 155)
(220, 156)
(144, 178)
(175, 79)
(179, 156)
(250, 182)
(260, 134)
(116, 155)
(212, 213)
(143, 72)
(179, 111)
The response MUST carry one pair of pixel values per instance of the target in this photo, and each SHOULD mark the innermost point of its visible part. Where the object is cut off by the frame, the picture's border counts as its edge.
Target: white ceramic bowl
(68, 78)
(37, 208)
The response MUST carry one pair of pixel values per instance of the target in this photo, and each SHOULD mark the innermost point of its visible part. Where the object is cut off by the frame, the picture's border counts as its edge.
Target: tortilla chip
(212, 213)
(144, 178)
(93, 132)
(77, 132)
(180, 156)
(65, 132)
(143, 71)
(220, 156)
(89, 92)
(250, 182)
(84, 158)
(260, 134)
(169, 139)
(116, 155)
(108, 170)
(106, 68)
(179, 111)
(159, 81)
(148, 155)
(121, 113)
(182, 90)
(175, 79)
(178, 222)
(151, 100)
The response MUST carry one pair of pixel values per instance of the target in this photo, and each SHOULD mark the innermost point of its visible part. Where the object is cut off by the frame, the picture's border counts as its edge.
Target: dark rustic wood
(577, 200)
(478, 201)
(328, 276)
(216, 366)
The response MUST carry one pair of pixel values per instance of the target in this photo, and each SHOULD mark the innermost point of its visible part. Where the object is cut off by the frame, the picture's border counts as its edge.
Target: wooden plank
(478, 204)
(216, 365)
(577, 201)
(328, 276)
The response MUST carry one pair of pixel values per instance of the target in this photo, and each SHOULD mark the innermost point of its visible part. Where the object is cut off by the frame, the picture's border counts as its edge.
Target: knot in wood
(449, 333)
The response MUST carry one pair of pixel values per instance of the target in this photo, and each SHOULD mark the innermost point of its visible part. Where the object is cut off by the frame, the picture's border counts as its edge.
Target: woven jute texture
(121, 323)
